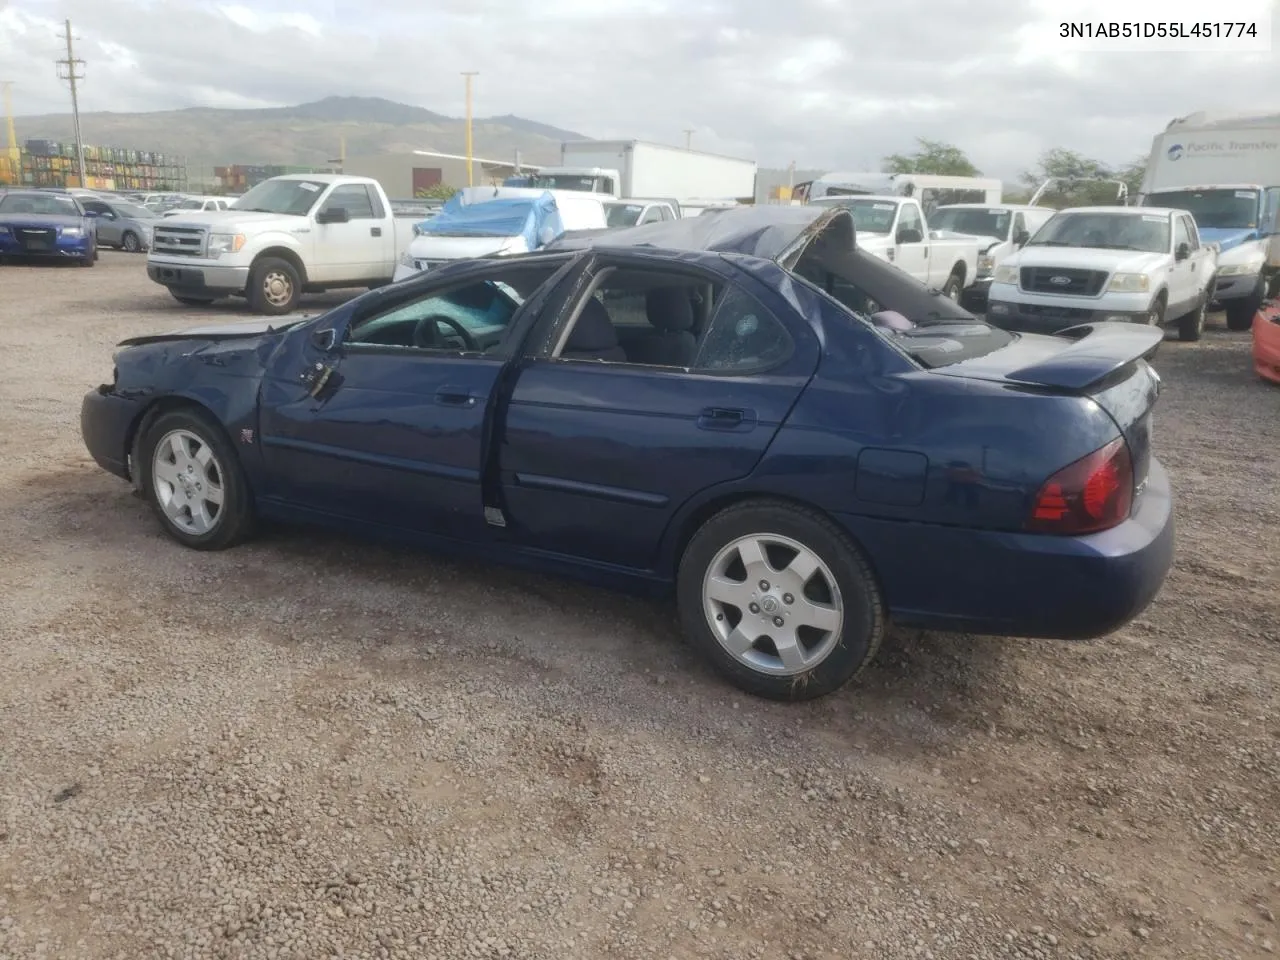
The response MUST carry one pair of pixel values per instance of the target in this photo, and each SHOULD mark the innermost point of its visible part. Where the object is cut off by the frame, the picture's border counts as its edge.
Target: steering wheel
(426, 333)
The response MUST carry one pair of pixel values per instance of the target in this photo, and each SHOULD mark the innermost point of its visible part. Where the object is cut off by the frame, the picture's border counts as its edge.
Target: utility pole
(11, 152)
(468, 74)
(70, 70)
(688, 137)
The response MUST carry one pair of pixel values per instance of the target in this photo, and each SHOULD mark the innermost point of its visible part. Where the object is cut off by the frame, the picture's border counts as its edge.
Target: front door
(1184, 278)
(395, 433)
(657, 383)
(106, 223)
(912, 248)
(352, 250)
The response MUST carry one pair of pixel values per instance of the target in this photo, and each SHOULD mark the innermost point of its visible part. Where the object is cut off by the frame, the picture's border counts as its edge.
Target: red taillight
(1092, 494)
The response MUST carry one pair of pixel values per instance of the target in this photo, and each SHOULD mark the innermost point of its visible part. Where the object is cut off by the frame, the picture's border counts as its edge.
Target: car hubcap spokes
(277, 288)
(188, 482)
(773, 604)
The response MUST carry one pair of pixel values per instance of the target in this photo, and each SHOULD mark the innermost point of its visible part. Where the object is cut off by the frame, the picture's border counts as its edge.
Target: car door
(598, 452)
(1183, 280)
(387, 426)
(106, 222)
(346, 249)
(911, 243)
(1202, 262)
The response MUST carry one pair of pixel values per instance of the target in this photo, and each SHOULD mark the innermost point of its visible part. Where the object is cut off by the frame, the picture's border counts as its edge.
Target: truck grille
(179, 241)
(37, 238)
(1064, 280)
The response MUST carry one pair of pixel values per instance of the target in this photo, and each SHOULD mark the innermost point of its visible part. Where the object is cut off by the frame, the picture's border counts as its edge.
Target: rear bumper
(202, 280)
(105, 422)
(1266, 342)
(1021, 584)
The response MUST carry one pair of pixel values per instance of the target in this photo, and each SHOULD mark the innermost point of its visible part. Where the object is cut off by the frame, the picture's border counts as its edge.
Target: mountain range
(305, 134)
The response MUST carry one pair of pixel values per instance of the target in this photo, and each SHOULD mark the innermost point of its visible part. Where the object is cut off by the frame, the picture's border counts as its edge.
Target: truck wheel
(191, 301)
(1191, 325)
(1240, 312)
(1155, 316)
(274, 286)
(951, 289)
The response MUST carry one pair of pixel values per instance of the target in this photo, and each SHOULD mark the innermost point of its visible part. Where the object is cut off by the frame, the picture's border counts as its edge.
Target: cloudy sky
(831, 84)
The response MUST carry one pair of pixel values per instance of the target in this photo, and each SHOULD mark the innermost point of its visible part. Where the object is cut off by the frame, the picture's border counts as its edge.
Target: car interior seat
(671, 342)
(593, 336)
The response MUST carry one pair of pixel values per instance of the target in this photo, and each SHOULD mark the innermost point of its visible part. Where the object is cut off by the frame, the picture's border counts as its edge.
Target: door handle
(455, 397)
(375, 231)
(724, 418)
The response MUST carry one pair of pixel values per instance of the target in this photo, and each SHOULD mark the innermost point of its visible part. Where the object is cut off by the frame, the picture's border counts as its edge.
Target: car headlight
(986, 263)
(1240, 269)
(406, 260)
(1006, 274)
(1129, 283)
(73, 231)
(220, 243)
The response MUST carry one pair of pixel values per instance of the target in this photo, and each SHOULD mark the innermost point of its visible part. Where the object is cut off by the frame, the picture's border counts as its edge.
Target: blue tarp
(1227, 237)
(537, 219)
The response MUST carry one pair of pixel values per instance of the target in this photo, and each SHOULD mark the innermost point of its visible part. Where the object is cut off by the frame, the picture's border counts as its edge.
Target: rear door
(599, 451)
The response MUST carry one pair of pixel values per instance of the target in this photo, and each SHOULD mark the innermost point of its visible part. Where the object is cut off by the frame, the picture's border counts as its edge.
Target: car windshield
(43, 204)
(869, 215)
(623, 214)
(1229, 209)
(133, 211)
(981, 222)
(1148, 233)
(293, 198)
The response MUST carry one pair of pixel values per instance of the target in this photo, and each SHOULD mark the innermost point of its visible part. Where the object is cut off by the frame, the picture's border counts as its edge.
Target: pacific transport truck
(637, 169)
(1225, 171)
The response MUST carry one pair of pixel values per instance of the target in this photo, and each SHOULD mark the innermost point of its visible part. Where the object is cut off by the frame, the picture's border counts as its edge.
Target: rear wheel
(953, 287)
(1191, 325)
(192, 478)
(130, 242)
(780, 600)
(274, 286)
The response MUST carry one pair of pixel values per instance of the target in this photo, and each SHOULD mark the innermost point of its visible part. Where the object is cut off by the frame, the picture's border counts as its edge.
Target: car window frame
(597, 270)
(329, 204)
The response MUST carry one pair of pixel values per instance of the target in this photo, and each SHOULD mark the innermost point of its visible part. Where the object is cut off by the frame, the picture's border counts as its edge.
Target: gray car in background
(124, 225)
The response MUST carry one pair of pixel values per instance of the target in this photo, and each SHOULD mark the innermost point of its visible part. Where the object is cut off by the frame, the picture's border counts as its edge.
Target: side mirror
(333, 215)
(92, 213)
(324, 339)
(1182, 251)
(1021, 237)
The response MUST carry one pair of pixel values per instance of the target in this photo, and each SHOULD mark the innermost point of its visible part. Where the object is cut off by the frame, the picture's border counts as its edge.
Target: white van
(931, 191)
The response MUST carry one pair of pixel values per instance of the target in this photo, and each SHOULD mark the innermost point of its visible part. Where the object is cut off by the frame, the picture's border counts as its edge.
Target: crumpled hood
(1227, 237)
(215, 332)
(1083, 258)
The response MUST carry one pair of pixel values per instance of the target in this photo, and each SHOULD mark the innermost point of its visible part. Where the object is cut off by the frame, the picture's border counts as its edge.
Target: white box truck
(1225, 171)
(630, 169)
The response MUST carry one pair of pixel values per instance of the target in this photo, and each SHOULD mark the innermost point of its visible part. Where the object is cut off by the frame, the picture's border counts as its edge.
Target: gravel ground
(311, 747)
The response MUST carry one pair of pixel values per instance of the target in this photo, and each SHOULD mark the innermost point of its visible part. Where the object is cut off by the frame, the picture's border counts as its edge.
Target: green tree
(441, 191)
(1063, 164)
(933, 156)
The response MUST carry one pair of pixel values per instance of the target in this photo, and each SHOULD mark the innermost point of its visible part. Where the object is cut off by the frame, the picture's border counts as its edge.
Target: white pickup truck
(1107, 264)
(895, 229)
(286, 236)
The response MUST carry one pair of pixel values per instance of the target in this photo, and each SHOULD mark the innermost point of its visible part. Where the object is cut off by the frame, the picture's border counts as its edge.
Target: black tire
(234, 520)
(862, 627)
(90, 260)
(1191, 325)
(130, 242)
(953, 288)
(1155, 315)
(191, 301)
(267, 273)
(1240, 312)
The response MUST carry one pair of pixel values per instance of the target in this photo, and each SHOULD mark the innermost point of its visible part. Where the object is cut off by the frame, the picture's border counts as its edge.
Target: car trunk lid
(1106, 362)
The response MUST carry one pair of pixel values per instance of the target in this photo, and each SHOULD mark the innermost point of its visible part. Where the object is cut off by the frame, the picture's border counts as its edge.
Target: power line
(71, 69)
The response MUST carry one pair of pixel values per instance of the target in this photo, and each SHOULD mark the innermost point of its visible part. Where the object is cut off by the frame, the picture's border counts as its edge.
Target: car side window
(909, 220)
(664, 318)
(1019, 225)
(652, 215)
(96, 206)
(1180, 233)
(1192, 232)
(470, 316)
(352, 197)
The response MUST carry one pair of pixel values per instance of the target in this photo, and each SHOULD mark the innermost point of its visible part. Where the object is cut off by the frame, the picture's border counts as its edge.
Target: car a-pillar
(276, 278)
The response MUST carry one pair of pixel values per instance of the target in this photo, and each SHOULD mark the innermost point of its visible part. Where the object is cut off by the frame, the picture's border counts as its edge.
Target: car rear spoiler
(1099, 350)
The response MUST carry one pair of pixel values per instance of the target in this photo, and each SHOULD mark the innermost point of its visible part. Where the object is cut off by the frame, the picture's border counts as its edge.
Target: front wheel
(191, 301)
(1191, 325)
(192, 478)
(274, 286)
(780, 600)
(1240, 312)
(130, 242)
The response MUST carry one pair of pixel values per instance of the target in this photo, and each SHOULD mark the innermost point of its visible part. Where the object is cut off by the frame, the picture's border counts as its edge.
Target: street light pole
(688, 137)
(468, 74)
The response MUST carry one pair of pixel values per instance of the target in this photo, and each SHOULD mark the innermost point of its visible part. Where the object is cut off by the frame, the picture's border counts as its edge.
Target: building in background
(406, 174)
(238, 178)
(49, 163)
(772, 184)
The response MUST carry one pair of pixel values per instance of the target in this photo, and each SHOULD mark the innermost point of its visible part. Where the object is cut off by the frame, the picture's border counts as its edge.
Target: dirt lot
(312, 747)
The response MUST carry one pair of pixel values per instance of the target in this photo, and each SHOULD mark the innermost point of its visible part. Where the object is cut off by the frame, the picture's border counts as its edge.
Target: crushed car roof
(768, 231)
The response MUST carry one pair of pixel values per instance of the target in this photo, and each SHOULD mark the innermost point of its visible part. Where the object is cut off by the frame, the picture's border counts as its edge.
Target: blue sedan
(34, 223)
(799, 441)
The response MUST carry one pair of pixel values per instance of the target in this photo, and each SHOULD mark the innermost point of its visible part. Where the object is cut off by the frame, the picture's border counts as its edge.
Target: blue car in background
(797, 439)
(46, 225)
